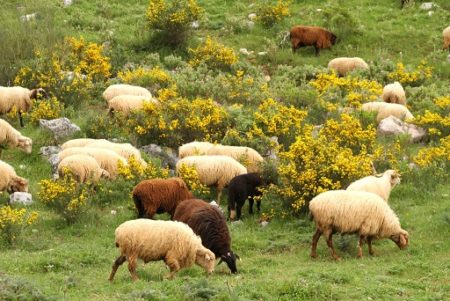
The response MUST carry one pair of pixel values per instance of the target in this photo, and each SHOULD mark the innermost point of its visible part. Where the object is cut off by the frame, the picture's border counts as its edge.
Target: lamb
(80, 142)
(123, 89)
(127, 103)
(394, 93)
(18, 97)
(252, 158)
(214, 170)
(159, 196)
(315, 36)
(13, 138)
(446, 35)
(195, 148)
(380, 185)
(241, 188)
(149, 240)
(10, 181)
(385, 109)
(83, 168)
(343, 65)
(347, 212)
(107, 159)
(208, 222)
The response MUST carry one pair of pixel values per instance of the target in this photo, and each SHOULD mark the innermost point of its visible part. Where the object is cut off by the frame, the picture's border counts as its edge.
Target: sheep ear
(395, 237)
(33, 94)
(207, 257)
(403, 240)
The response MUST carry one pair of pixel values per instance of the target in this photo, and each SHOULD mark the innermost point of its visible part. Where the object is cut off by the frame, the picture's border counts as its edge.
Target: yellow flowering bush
(435, 156)
(135, 171)
(269, 14)
(13, 221)
(173, 18)
(437, 122)
(178, 120)
(66, 196)
(49, 108)
(154, 78)
(190, 177)
(413, 78)
(213, 54)
(69, 72)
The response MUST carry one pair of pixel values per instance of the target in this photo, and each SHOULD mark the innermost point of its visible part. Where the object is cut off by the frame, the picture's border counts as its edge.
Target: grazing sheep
(149, 240)
(80, 142)
(214, 170)
(123, 89)
(195, 148)
(394, 93)
(380, 185)
(315, 36)
(18, 97)
(10, 181)
(13, 138)
(210, 224)
(159, 196)
(107, 159)
(83, 168)
(343, 65)
(252, 158)
(347, 212)
(446, 35)
(372, 106)
(241, 188)
(394, 109)
(125, 150)
(127, 103)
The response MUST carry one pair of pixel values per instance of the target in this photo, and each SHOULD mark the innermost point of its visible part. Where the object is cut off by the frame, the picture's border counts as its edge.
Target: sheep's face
(17, 184)
(401, 239)
(394, 177)
(230, 259)
(206, 259)
(333, 39)
(105, 174)
(26, 144)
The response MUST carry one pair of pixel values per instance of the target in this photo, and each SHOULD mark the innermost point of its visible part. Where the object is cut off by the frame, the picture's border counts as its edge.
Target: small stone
(48, 151)
(238, 222)
(448, 58)
(319, 9)
(23, 198)
(252, 16)
(27, 18)
(213, 203)
(264, 223)
(244, 51)
(113, 212)
(430, 13)
(262, 53)
(167, 155)
(427, 5)
(67, 2)
(267, 78)
(195, 24)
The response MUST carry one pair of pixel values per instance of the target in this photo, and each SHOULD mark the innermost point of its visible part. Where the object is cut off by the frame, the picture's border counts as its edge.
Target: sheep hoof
(313, 255)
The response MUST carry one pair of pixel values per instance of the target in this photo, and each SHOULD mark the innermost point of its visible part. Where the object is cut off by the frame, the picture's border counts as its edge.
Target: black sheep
(241, 188)
(210, 224)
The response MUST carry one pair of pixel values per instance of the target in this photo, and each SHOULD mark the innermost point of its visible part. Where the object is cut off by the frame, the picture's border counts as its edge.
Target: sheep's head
(26, 144)
(17, 184)
(206, 259)
(333, 38)
(401, 239)
(394, 177)
(230, 259)
(36, 93)
(105, 174)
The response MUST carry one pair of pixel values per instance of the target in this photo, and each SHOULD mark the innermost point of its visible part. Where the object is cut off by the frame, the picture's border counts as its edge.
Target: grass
(58, 262)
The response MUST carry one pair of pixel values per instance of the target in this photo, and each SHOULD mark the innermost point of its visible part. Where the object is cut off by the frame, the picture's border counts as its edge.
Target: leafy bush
(190, 177)
(213, 54)
(154, 78)
(416, 77)
(270, 14)
(49, 108)
(436, 121)
(14, 289)
(341, 22)
(13, 221)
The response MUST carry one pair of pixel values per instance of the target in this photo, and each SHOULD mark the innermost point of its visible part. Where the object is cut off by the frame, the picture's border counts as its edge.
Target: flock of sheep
(199, 232)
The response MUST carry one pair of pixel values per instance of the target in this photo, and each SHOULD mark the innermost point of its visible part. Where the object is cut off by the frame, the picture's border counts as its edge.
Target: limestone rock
(394, 126)
(61, 127)
(23, 198)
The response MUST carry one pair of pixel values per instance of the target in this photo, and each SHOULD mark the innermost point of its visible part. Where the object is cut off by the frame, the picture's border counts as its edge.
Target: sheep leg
(369, 243)
(132, 265)
(238, 212)
(20, 118)
(317, 50)
(219, 193)
(250, 205)
(360, 245)
(173, 265)
(119, 261)
(330, 245)
(258, 206)
(316, 237)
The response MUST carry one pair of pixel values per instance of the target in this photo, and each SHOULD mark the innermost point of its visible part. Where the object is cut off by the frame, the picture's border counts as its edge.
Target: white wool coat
(83, 167)
(13, 138)
(380, 185)
(124, 89)
(343, 65)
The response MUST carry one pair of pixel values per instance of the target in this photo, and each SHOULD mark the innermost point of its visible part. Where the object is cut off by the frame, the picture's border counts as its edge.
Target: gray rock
(54, 160)
(252, 16)
(61, 127)
(23, 198)
(264, 223)
(167, 155)
(67, 3)
(47, 151)
(394, 126)
(29, 17)
(195, 25)
(427, 5)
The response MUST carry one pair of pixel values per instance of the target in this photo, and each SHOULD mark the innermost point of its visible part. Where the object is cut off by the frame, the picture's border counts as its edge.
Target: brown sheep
(318, 37)
(159, 196)
(210, 223)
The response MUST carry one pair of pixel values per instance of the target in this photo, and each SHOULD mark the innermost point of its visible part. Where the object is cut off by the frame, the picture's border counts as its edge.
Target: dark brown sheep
(159, 196)
(318, 37)
(210, 224)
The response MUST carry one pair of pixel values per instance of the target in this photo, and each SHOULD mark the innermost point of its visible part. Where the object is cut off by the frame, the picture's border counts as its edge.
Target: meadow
(210, 90)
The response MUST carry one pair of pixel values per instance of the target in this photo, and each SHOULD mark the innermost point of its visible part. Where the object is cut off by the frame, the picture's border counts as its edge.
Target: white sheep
(18, 97)
(125, 150)
(124, 89)
(195, 148)
(249, 157)
(380, 185)
(79, 142)
(385, 110)
(10, 181)
(214, 170)
(127, 103)
(446, 36)
(13, 138)
(107, 159)
(152, 240)
(394, 93)
(343, 65)
(83, 168)
(347, 212)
